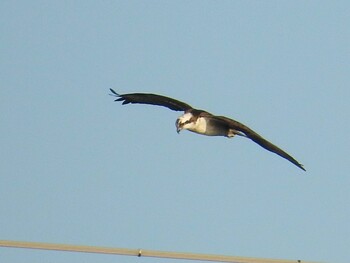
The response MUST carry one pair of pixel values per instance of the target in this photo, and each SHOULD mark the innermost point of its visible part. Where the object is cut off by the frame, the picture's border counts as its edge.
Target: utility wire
(140, 252)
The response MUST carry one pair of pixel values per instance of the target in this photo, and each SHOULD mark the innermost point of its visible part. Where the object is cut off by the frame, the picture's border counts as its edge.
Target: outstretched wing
(153, 99)
(259, 140)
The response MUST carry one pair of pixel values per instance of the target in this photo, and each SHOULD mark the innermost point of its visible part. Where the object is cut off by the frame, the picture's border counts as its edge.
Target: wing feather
(152, 99)
(259, 140)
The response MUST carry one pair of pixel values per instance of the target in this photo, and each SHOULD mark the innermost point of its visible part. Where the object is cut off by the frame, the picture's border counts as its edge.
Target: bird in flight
(203, 122)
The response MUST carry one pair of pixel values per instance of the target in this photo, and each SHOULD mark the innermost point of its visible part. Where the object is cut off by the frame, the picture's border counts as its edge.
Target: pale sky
(78, 168)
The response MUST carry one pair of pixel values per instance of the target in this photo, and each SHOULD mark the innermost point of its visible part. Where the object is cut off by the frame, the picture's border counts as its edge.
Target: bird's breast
(209, 127)
(199, 126)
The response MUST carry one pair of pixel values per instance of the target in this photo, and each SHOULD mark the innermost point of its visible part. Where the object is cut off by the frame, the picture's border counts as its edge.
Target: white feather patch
(199, 126)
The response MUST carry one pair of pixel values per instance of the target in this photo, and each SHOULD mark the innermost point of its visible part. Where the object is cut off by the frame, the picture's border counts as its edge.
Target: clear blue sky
(78, 168)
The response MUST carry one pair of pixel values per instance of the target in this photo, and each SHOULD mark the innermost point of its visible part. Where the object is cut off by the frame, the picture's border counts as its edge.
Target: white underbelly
(210, 129)
(200, 126)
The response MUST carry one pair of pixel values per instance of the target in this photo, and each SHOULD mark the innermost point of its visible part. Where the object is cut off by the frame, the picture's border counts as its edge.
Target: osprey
(203, 122)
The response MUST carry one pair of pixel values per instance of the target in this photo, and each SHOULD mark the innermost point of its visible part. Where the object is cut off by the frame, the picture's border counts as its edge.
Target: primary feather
(153, 99)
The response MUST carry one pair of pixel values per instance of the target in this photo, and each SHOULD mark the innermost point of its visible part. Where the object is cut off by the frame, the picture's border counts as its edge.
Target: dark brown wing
(152, 99)
(259, 140)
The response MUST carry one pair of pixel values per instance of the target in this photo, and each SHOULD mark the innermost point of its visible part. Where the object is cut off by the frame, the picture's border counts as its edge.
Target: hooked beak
(178, 126)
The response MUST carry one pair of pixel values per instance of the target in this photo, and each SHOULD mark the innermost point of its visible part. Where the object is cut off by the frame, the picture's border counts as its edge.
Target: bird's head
(184, 122)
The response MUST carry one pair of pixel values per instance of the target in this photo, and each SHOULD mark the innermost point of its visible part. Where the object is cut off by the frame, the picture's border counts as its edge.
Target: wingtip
(114, 93)
(301, 166)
